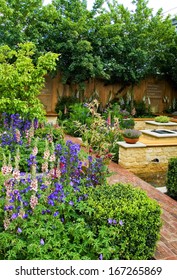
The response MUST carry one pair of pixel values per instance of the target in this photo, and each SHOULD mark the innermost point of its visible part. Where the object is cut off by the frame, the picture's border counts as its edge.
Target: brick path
(167, 245)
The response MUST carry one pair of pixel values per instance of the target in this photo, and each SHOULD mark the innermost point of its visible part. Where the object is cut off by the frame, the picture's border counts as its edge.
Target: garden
(56, 203)
(55, 200)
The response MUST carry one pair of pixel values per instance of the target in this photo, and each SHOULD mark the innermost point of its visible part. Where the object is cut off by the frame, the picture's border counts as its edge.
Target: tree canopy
(108, 42)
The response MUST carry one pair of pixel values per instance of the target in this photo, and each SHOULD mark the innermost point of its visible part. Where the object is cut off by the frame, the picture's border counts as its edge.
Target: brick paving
(167, 245)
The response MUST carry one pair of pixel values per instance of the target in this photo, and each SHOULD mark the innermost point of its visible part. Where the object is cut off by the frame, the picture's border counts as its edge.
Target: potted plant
(131, 136)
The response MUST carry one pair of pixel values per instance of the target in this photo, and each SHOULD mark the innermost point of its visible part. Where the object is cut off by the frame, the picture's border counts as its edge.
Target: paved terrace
(167, 245)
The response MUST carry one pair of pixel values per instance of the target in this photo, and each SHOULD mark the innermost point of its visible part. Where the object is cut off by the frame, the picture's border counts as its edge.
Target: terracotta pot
(131, 140)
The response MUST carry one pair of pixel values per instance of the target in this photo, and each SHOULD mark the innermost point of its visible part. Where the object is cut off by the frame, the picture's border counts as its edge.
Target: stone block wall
(146, 159)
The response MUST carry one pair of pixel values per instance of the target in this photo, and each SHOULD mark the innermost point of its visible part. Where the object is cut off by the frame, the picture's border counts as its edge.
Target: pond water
(161, 131)
(155, 179)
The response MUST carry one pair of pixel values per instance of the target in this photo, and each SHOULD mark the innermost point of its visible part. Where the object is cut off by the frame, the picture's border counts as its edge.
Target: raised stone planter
(146, 158)
(157, 125)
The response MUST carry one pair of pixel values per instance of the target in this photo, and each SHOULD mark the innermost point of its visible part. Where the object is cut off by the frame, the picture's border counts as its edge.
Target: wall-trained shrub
(171, 183)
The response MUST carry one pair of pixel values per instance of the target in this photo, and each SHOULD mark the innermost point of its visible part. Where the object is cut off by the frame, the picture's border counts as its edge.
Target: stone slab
(136, 145)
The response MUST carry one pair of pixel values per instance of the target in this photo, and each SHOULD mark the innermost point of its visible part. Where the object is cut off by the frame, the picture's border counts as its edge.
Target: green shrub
(50, 131)
(64, 104)
(171, 183)
(25, 79)
(142, 110)
(162, 119)
(126, 221)
(80, 113)
(128, 123)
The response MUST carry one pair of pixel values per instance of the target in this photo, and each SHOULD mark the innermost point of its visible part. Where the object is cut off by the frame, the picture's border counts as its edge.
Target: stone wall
(145, 159)
(140, 123)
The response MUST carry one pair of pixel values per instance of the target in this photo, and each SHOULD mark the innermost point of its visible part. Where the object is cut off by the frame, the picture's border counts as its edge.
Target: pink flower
(18, 135)
(45, 167)
(35, 151)
(46, 154)
(52, 158)
(34, 184)
(4, 170)
(33, 201)
(55, 173)
(16, 174)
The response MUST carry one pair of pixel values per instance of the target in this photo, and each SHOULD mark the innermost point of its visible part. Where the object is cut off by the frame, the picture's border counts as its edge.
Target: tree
(111, 43)
(21, 80)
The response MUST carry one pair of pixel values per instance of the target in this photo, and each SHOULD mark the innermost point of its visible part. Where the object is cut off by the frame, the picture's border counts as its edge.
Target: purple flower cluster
(53, 191)
(15, 121)
(15, 126)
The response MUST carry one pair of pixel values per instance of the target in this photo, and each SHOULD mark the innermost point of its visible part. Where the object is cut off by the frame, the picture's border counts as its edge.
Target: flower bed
(69, 212)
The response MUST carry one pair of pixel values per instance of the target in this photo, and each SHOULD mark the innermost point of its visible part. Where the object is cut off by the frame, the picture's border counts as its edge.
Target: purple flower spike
(42, 241)
(101, 257)
(114, 222)
(121, 223)
(19, 230)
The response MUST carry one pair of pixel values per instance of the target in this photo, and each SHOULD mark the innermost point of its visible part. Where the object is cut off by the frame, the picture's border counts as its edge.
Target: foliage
(21, 80)
(131, 133)
(162, 119)
(128, 123)
(131, 214)
(115, 44)
(84, 227)
(141, 109)
(53, 133)
(68, 211)
(63, 106)
(100, 136)
(171, 182)
(78, 112)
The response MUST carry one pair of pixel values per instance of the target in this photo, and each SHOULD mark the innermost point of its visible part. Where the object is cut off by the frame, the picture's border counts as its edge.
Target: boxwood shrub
(125, 220)
(171, 182)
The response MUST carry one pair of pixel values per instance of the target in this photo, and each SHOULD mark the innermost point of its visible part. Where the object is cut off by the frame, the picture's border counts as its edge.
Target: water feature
(160, 133)
(163, 131)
